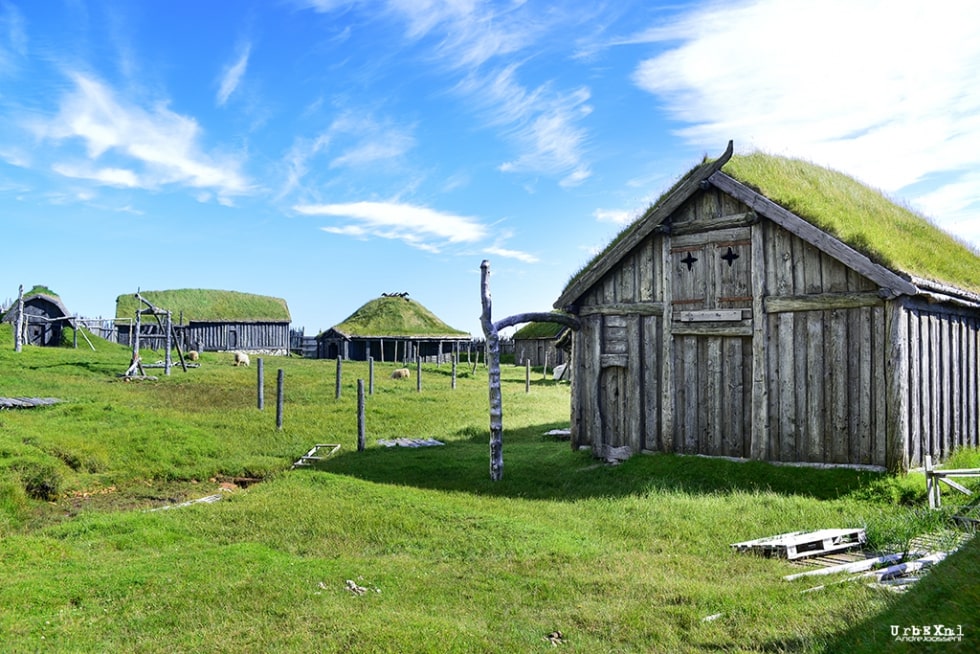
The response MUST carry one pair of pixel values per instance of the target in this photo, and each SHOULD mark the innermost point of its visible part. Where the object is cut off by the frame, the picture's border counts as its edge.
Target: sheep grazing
(241, 359)
(192, 355)
(400, 373)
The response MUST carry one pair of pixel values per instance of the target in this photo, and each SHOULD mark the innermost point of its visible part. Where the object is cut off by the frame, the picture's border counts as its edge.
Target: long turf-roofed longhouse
(45, 317)
(393, 327)
(771, 309)
(210, 320)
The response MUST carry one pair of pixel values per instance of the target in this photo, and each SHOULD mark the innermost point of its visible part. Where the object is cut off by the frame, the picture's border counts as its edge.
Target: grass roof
(206, 305)
(395, 316)
(40, 289)
(890, 234)
(538, 330)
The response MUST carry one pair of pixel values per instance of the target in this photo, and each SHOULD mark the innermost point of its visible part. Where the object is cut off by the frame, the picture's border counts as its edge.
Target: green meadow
(396, 549)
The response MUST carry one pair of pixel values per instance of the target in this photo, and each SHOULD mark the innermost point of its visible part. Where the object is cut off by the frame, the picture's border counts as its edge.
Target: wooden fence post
(418, 373)
(260, 383)
(280, 397)
(527, 375)
(360, 415)
(340, 369)
(454, 373)
(371, 373)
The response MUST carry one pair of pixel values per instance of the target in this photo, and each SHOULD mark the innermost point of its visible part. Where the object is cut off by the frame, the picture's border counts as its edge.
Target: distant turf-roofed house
(393, 327)
(771, 309)
(212, 320)
(44, 317)
(537, 342)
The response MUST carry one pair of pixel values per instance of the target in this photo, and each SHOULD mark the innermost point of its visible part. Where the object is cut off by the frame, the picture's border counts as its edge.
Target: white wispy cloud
(417, 226)
(885, 92)
(352, 140)
(508, 253)
(232, 76)
(109, 176)
(614, 216)
(484, 44)
(13, 36)
(159, 147)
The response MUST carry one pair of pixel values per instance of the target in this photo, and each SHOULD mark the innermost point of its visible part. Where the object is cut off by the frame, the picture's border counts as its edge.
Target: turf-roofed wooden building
(45, 317)
(211, 320)
(393, 327)
(771, 309)
(537, 342)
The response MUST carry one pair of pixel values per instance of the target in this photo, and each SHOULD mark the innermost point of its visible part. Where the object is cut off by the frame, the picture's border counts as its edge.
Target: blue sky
(327, 151)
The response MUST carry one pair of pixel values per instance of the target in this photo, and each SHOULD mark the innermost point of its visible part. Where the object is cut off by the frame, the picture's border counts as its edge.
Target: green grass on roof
(538, 330)
(40, 290)
(203, 304)
(395, 316)
(890, 234)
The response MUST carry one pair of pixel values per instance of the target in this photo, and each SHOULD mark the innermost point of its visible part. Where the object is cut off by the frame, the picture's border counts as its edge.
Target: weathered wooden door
(613, 363)
(711, 332)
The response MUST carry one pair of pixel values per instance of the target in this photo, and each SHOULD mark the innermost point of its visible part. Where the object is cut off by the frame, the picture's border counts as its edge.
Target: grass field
(630, 558)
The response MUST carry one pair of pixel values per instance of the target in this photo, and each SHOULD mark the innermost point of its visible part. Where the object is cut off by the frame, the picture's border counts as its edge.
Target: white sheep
(400, 373)
(241, 359)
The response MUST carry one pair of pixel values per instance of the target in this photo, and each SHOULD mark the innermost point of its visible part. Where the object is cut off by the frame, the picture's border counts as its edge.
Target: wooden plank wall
(617, 356)
(825, 357)
(943, 382)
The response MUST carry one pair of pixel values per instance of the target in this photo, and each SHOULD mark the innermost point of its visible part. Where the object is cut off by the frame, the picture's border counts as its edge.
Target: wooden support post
(168, 344)
(360, 415)
(260, 382)
(371, 373)
(932, 485)
(340, 370)
(280, 397)
(418, 373)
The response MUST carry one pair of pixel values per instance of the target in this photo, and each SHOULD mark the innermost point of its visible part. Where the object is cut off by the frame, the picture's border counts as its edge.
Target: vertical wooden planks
(667, 393)
(816, 411)
(784, 445)
(898, 406)
(837, 385)
(760, 401)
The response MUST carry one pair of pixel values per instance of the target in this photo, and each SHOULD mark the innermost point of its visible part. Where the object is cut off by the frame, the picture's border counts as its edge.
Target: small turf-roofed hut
(768, 308)
(45, 317)
(393, 327)
(537, 342)
(211, 320)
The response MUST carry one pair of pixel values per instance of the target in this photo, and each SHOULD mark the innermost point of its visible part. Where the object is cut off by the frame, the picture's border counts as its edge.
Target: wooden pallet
(799, 544)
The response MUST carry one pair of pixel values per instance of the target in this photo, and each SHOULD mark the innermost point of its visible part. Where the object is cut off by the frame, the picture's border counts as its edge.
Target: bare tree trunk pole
(493, 356)
(19, 326)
